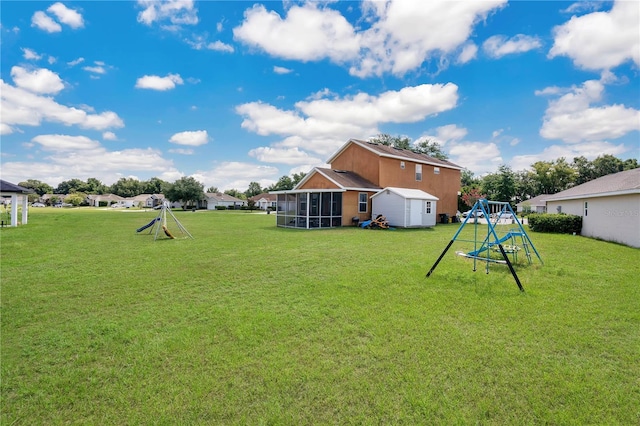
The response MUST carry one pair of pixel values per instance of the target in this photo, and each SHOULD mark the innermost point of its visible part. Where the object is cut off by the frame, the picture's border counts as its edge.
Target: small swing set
(506, 244)
(160, 222)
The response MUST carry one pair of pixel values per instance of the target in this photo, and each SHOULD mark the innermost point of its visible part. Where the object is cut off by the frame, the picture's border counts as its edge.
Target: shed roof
(414, 194)
(627, 182)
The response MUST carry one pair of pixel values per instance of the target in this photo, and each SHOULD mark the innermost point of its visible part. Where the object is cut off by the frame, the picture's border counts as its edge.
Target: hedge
(558, 223)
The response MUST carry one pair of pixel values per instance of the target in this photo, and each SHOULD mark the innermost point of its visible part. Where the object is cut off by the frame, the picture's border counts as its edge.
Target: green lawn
(252, 324)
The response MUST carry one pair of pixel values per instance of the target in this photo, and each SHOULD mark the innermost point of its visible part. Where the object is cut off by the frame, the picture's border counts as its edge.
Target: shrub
(221, 207)
(558, 223)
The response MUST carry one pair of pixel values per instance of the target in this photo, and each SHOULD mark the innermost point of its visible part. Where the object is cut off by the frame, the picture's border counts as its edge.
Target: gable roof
(539, 200)
(219, 196)
(267, 196)
(343, 179)
(397, 153)
(621, 183)
(11, 187)
(407, 193)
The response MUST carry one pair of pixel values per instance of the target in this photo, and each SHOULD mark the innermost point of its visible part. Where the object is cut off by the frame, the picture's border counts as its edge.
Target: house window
(427, 207)
(402, 165)
(436, 170)
(585, 208)
(362, 202)
(418, 172)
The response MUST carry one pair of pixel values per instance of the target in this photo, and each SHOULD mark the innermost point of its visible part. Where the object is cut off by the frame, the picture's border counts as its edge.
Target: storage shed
(405, 208)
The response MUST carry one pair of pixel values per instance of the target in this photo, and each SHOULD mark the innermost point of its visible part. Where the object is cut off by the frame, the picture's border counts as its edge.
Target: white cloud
(22, 107)
(600, 40)
(109, 136)
(498, 46)
(589, 150)
(75, 62)
(67, 16)
(237, 175)
(220, 46)
(177, 12)
(44, 22)
(5, 129)
(573, 118)
(469, 52)
(583, 6)
(407, 33)
(307, 33)
(95, 70)
(76, 157)
(281, 70)
(29, 54)
(479, 157)
(182, 151)
(282, 155)
(40, 80)
(402, 34)
(155, 82)
(191, 138)
(322, 124)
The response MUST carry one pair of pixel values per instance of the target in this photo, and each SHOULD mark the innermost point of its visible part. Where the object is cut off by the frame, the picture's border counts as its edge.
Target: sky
(233, 92)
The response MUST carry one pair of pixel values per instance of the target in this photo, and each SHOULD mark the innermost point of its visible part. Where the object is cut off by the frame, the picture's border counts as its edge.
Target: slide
(486, 247)
(142, 228)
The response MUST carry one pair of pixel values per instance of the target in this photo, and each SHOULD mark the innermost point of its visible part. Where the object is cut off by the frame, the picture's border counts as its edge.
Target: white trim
(304, 191)
(593, 195)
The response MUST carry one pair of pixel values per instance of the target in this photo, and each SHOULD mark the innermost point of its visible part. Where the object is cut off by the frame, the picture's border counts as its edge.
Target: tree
(75, 199)
(253, 189)
(283, 184)
(400, 142)
(154, 186)
(553, 176)
(297, 177)
(39, 187)
(70, 186)
(469, 198)
(127, 187)
(430, 148)
(235, 193)
(584, 169)
(606, 165)
(213, 190)
(251, 205)
(185, 189)
(95, 186)
(525, 185)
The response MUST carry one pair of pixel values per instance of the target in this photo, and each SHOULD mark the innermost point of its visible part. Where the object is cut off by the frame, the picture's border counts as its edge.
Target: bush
(558, 223)
(221, 207)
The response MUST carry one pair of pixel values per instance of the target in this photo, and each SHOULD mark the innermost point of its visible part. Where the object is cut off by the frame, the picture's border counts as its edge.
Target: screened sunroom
(309, 209)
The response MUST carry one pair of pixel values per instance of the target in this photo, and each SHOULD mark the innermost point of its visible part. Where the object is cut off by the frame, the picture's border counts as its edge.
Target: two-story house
(341, 195)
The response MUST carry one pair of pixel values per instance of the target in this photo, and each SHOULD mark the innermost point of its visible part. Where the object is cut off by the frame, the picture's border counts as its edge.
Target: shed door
(416, 213)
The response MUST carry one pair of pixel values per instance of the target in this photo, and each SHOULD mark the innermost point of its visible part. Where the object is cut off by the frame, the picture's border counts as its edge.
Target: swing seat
(482, 259)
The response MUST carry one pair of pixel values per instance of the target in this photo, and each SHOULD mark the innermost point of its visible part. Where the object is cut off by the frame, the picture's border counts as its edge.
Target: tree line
(186, 189)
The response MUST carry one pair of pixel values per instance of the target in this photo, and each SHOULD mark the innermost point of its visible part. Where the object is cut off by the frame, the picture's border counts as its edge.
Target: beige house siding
(612, 218)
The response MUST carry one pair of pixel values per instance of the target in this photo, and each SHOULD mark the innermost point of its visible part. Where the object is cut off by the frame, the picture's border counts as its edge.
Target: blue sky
(231, 92)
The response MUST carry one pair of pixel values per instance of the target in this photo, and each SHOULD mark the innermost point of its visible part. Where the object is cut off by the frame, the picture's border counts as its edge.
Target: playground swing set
(160, 222)
(504, 244)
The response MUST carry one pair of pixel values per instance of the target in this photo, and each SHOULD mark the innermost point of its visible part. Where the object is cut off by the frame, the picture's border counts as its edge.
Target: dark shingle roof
(347, 180)
(405, 154)
(11, 187)
(621, 182)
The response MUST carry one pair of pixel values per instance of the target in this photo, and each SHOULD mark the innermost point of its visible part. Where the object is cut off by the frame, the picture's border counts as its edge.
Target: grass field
(252, 324)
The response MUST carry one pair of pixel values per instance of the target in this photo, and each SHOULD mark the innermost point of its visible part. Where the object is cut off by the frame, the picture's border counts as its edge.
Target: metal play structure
(160, 222)
(504, 244)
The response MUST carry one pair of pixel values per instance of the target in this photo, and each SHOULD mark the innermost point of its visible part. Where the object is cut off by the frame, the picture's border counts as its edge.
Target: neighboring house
(609, 206)
(18, 195)
(46, 198)
(94, 200)
(405, 208)
(536, 204)
(265, 200)
(144, 200)
(341, 195)
(216, 199)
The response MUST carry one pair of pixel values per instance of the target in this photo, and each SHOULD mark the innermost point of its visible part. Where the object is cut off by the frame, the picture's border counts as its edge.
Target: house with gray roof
(609, 206)
(535, 205)
(219, 199)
